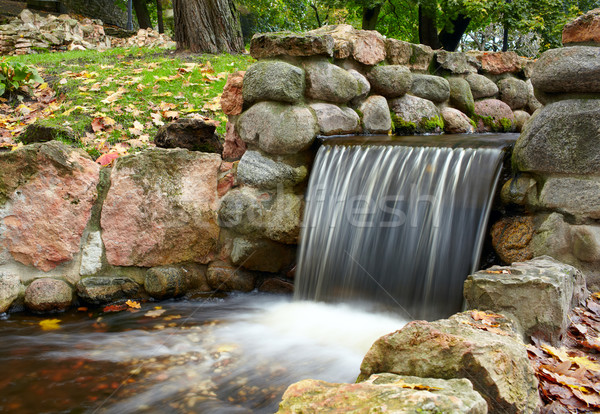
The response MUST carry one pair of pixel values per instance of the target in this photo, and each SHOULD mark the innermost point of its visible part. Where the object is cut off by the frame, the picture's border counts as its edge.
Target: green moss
(506, 124)
(402, 127)
(432, 124)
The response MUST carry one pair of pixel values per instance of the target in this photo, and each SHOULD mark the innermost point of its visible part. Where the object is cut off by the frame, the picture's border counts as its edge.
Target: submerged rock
(384, 393)
(493, 358)
(48, 295)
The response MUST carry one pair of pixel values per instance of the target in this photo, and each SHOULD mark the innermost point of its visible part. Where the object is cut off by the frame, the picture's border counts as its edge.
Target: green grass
(150, 81)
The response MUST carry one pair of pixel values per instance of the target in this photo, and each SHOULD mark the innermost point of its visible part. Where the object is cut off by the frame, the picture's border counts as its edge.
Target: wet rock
(232, 99)
(513, 92)
(101, 290)
(575, 196)
(225, 277)
(376, 117)
(328, 82)
(455, 122)
(189, 133)
(91, 254)
(279, 128)
(493, 115)
(495, 360)
(364, 46)
(166, 282)
(461, 97)
(277, 286)
(586, 242)
(335, 120)
(10, 287)
(263, 172)
(414, 115)
(273, 81)
(384, 393)
(498, 63)
(561, 138)
(50, 189)
(521, 117)
(267, 45)
(390, 81)
(568, 70)
(261, 255)
(584, 30)
(416, 57)
(161, 208)
(433, 88)
(537, 294)
(42, 132)
(511, 237)
(454, 62)
(521, 190)
(48, 295)
(481, 86)
(233, 147)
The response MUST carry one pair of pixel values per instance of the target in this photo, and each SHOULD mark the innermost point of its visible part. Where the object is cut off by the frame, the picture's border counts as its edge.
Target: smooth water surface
(233, 355)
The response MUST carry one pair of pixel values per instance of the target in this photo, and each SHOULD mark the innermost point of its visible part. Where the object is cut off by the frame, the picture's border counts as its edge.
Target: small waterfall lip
(425, 209)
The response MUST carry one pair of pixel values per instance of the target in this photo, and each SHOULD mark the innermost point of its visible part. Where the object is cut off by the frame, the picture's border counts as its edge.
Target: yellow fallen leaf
(155, 313)
(133, 304)
(50, 324)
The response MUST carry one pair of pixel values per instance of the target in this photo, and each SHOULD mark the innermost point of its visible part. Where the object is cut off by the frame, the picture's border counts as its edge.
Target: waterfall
(399, 226)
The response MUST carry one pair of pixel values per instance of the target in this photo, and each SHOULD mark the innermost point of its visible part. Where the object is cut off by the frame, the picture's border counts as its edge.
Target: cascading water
(401, 226)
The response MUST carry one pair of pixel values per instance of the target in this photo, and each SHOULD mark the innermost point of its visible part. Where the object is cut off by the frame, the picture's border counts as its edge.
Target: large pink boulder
(583, 30)
(497, 63)
(46, 196)
(161, 208)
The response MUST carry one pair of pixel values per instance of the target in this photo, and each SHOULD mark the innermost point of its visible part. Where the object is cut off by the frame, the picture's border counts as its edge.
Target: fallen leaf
(50, 324)
(133, 304)
(155, 313)
(108, 158)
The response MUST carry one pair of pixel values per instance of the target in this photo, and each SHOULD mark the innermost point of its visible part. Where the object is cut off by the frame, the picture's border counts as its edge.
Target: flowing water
(233, 355)
(396, 225)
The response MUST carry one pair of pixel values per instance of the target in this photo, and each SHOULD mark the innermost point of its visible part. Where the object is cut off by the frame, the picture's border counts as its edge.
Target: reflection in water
(219, 356)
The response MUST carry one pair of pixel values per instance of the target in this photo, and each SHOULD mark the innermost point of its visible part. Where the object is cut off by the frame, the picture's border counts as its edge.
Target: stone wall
(555, 193)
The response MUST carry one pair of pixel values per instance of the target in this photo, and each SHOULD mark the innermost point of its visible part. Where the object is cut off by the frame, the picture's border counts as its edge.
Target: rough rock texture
(568, 70)
(454, 62)
(513, 92)
(234, 147)
(328, 82)
(553, 238)
(167, 282)
(290, 44)
(586, 242)
(277, 286)
(414, 115)
(161, 208)
(521, 190)
(273, 81)
(260, 171)
(39, 132)
(532, 102)
(460, 95)
(364, 46)
(455, 122)
(416, 57)
(262, 255)
(537, 294)
(232, 99)
(561, 138)
(493, 359)
(101, 290)
(189, 133)
(225, 277)
(584, 30)
(364, 87)
(481, 86)
(390, 81)
(493, 115)
(575, 196)
(279, 128)
(433, 88)
(500, 62)
(384, 393)
(376, 117)
(45, 190)
(521, 117)
(48, 295)
(91, 254)
(335, 120)
(10, 287)
(511, 237)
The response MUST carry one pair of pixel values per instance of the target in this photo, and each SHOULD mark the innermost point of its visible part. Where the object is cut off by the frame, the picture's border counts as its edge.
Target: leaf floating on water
(133, 304)
(50, 324)
(114, 308)
(155, 313)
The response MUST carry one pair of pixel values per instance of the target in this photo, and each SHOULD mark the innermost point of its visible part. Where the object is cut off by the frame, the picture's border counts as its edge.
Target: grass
(117, 99)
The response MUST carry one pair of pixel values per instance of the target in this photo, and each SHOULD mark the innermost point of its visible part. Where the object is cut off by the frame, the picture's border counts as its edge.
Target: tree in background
(211, 26)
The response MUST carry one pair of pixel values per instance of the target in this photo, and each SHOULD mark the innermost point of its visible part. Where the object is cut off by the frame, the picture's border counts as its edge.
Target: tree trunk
(505, 38)
(159, 16)
(210, 26)
(370, 17)
(141, 12)
(451, 40)
(428, 29)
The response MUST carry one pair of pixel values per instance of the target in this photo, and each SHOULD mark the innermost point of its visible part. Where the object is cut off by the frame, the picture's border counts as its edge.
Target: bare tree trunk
(159, 16)
(370, 17)
(451, 39)
(210, 26)
(428, 29)
(141, 12)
